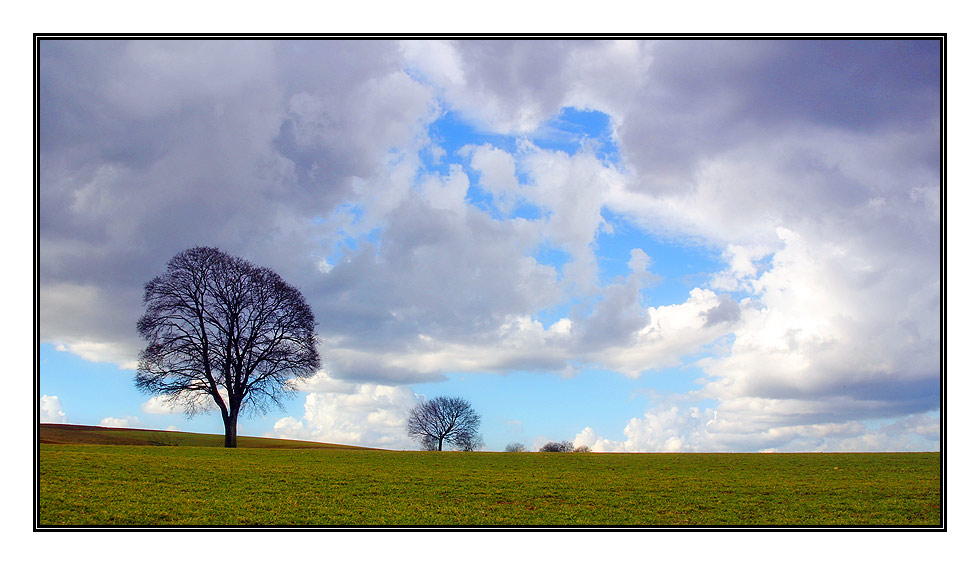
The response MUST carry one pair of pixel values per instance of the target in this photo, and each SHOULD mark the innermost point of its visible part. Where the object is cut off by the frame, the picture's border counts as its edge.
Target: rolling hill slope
(95, 435)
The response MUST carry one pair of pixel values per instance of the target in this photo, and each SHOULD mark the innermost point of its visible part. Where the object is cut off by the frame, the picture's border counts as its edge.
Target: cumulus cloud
(827, 337)
(504, 86)
(679, 425)
(515, 86)
(152, 147)
(51, 411)
(662, 336)
(588, 438)
(829, 245)
(124, 422)
(434, 275)
(366, 415)
(836, 323)
(573, 188)
(306, 152)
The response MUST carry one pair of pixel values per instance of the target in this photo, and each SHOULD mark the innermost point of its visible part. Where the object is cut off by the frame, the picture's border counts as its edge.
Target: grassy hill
(70, 434)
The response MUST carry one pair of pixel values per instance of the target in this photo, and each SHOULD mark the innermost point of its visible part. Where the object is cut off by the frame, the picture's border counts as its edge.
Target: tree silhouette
(557, 447)
(221, 330)
(445, 420)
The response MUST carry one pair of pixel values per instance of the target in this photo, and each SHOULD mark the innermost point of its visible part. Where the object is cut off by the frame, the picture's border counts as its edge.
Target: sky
(653, 245)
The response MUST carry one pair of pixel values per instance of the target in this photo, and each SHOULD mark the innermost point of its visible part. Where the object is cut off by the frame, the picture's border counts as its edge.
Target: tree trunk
(231, 430)
(440, 444)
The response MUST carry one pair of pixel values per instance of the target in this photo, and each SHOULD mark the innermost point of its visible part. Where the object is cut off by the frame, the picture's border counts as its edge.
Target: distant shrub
(583, 449)
(557, 447)
(515, 447)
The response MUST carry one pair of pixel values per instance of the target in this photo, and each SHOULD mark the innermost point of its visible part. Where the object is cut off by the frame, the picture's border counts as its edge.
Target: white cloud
(515, 427)
(365, 415)
(449, 192)
(589, 438)
(158, 405)
(639, 261)
(107, 352)
(290, 428)
(828, 337)
(667, 334)
(743, 267)
(437, 60)
(831, 321)
(678, 425)
(73, 316)
(189, 402)
(514, 86)
(573, 188)
(51, 411)
(124, 422)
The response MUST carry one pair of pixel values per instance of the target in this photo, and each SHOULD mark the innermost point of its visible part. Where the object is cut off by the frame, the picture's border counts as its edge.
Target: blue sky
(633, 245)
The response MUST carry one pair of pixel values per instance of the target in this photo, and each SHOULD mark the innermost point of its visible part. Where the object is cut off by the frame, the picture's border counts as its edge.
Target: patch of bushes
(557, 447)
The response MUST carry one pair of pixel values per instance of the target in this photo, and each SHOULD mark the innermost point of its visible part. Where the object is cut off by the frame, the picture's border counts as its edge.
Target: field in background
(190, 486)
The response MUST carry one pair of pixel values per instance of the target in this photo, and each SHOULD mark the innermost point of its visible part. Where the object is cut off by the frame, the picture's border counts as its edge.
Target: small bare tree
(515, 447)
(445, 420)
(471, 443)
(222, 330)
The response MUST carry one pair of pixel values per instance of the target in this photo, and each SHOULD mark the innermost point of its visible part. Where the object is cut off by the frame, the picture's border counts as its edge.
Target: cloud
(83, 325)
(515, 427)
(515, 86)
(153, 147)
(124, 422)
(827, 337)
(365, 415)
(189, 402)
(831, 250)
(502, 85)
(588, 438)
(51, 411)
(158, 405)
(329, 169)
(702, 99)
(101, 352)
(574, 189)
(836, 323)
(727, 310)
(662, 336)
(678, 425)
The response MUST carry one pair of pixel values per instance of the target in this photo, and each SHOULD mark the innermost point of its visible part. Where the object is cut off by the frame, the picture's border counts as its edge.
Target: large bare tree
(445, 420)
(222, 331)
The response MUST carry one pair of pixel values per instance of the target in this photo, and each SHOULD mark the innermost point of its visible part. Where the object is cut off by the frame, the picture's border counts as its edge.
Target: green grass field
(160, 485)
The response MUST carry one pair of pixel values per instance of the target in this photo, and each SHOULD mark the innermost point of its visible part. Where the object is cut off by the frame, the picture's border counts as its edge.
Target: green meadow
(301, 484)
